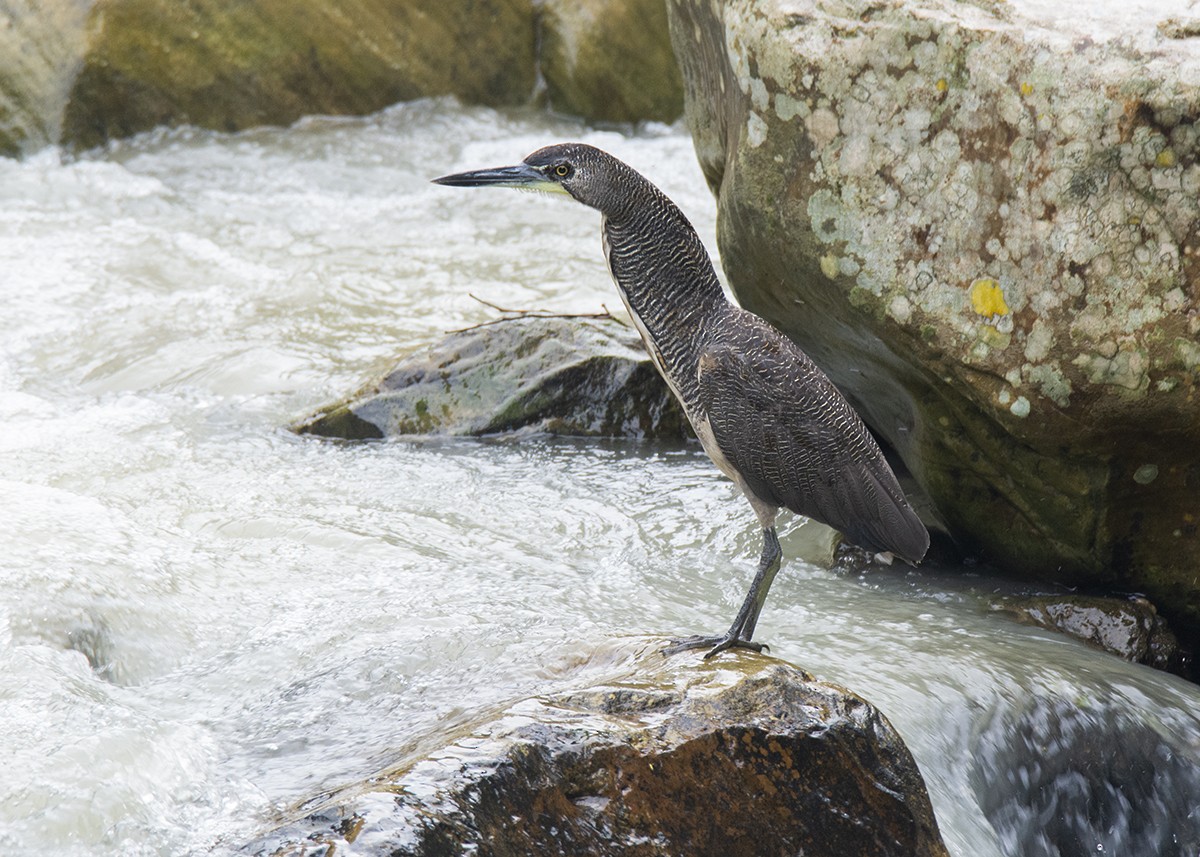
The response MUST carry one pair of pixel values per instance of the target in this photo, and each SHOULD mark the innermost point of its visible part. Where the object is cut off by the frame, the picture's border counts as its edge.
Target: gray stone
(983, 221)
(558, 375)
(678, 756)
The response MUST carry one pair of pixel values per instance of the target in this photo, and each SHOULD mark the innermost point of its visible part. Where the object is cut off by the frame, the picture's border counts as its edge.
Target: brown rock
(751, 757)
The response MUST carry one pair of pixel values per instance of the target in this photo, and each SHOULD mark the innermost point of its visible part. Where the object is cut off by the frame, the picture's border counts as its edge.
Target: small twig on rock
(515, 314)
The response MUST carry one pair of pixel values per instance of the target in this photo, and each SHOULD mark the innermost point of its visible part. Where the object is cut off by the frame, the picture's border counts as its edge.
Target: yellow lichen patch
(941, 85)
(829, 266)
(987, 298)
(1166, 158)
(1027, 88)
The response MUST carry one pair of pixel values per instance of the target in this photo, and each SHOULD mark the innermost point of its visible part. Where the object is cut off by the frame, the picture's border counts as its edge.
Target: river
(205, 618)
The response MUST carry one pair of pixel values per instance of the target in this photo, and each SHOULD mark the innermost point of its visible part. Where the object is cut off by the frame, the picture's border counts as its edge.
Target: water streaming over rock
(205, 619)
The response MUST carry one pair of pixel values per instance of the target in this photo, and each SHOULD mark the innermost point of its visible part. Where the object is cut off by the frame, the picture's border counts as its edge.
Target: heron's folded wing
(797, 443)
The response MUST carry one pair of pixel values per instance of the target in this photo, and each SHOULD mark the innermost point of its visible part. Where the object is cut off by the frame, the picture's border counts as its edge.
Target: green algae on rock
(679, 756)
(230, 65)
(557, 375)
(610, 60)
(985, 226)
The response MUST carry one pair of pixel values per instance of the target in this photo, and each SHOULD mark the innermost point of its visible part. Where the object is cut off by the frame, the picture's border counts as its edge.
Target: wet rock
(226, 64)
(983, 220)
(678, 756)
(1128, 628)
(610, 60)
(558, 375)
(1069, 778)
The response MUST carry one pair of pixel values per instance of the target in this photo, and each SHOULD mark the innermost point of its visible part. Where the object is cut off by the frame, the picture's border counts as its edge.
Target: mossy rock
(227, 64)
(610, 60)
(562, 376)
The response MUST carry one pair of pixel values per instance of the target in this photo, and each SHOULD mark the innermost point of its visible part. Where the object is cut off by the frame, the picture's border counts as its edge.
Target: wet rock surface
(1128, 628)
(983, 221)
(747, 756)
(558, 375)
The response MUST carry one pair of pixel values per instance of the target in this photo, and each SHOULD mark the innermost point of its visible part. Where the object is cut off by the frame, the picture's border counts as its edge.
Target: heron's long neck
(668, 284)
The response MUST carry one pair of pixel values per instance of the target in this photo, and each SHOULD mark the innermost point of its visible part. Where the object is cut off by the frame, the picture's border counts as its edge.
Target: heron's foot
(715, 645)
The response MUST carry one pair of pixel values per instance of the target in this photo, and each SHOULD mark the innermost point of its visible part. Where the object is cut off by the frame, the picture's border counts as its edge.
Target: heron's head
(581, 171)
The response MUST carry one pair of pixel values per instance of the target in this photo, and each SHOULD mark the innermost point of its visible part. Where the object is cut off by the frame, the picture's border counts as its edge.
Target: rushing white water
(204, 618)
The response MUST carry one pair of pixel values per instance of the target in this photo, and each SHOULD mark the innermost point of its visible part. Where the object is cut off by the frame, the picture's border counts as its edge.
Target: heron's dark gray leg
(742, 629)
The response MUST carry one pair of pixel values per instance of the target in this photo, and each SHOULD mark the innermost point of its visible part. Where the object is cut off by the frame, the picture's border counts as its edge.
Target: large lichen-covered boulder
(749, 757)
(610, 60)
(228, 64)
(566, 376)
(983, 220)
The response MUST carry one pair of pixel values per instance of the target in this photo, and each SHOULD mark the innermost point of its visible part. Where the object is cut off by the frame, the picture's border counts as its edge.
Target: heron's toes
(714, 645)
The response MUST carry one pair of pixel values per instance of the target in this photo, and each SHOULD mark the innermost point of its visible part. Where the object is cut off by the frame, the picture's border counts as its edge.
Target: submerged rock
(983, 221)
(1074, 778)
(748, 757)
(1129, 628)
(558, 375)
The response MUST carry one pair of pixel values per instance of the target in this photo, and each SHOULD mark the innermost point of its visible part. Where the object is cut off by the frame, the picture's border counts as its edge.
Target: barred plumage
(766, 415)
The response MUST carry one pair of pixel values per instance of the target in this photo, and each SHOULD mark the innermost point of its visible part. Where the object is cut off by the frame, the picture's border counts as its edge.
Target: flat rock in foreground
(745, 756)
(563, 376)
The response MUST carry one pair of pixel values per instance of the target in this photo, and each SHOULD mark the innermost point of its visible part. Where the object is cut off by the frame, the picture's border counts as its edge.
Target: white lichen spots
(1052, 383)
(900, 308)
(1166, 385)
(1013, 376)
(856, 156)
(1174, 300)
(1145, 474)
(1020, 408)
(1125, 369)
(756, 130)
(759, 96)
(822, 126)
(1188, 353)
(788, 108)
(1005, 396)
(829, 266)
(1038, 341)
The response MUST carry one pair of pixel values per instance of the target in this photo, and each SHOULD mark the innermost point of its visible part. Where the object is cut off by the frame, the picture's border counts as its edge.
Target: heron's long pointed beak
(521, 176)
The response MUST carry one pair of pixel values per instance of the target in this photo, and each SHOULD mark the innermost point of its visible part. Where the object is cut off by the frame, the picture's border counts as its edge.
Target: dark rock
(1068, 778)
(562, 376)
(1128, 628)
(983, 221)
(610, 60)
(751, 757)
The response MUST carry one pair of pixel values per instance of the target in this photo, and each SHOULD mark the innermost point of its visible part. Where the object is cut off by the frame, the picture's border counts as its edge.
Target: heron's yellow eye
(562, 171)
